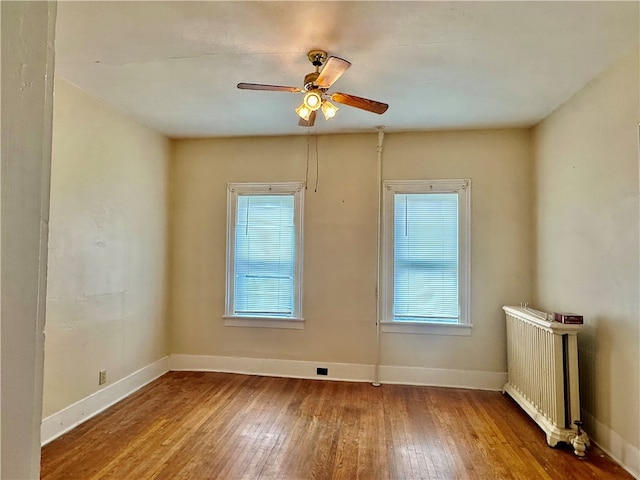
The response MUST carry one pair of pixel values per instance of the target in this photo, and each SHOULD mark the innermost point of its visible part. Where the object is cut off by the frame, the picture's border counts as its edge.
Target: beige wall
(587, 243)
(340, 243)
(106, 297)
(27, 93)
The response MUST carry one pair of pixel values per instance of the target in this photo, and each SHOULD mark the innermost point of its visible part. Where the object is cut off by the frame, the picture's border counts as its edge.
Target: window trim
(463, 188)
(279, 188)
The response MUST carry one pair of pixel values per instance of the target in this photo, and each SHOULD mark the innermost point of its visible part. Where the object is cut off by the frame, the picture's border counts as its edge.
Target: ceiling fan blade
(359, 102)
(271, 88)
(332, 71)
(310, 122)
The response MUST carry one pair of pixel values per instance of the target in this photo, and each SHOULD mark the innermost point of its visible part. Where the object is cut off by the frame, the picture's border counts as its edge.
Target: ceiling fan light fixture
(303, 111)
(329, 110)
(313, 100)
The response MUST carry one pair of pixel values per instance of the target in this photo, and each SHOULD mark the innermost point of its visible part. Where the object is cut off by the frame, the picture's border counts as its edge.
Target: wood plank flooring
(195, 425)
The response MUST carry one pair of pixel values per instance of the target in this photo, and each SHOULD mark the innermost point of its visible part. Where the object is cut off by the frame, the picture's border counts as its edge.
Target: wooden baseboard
(60, 422)
(340, 371)
(443, 377)
(271, 367)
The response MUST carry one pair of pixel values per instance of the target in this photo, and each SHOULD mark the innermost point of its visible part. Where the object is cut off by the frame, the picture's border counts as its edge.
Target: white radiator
(542, 359)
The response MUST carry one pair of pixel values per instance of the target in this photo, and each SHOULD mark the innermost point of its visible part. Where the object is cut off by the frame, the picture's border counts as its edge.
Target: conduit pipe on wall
(376, 375)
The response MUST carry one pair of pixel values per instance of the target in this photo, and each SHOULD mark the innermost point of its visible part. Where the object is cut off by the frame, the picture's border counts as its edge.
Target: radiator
(542, 363)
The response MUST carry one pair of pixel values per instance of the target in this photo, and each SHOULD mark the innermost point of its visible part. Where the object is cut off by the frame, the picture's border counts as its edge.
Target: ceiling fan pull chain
(306, 176)
(317, 164)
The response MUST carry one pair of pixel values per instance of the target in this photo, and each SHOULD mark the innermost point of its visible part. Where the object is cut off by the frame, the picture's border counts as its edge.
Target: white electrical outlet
(102, 378)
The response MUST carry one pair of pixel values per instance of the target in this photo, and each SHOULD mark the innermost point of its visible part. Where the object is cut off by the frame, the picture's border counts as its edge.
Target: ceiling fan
(315, 88)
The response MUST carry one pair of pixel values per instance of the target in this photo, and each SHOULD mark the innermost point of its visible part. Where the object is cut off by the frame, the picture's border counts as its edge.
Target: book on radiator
(568, 318)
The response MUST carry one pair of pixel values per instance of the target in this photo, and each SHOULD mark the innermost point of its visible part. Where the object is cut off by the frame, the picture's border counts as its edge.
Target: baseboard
(340, 371)
(625, 454)
(443, 377)
(61, 422)
(271, 367)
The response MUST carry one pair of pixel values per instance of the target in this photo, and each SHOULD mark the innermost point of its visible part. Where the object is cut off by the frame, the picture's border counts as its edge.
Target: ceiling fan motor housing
(310, 81)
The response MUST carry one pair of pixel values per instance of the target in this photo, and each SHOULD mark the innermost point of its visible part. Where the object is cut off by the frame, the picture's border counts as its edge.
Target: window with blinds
(425, 251)
(426, 254)
(264, 244)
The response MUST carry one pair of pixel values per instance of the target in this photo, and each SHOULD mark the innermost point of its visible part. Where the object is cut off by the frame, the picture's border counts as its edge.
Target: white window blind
(426, 251)
(264, 256)
(425, 275)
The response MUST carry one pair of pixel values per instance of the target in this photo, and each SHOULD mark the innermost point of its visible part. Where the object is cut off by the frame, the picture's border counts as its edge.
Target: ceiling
(174, 65)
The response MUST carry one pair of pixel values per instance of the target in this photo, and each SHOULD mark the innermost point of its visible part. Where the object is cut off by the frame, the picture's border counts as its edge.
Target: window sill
(453, 329)
(264, 322)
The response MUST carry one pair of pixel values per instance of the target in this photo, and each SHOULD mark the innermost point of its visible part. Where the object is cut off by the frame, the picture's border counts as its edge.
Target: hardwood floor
(194, 425)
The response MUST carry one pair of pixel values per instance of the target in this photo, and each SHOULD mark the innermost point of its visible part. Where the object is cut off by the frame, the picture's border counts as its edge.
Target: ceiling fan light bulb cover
(329, 109)
(303, 112)
(312, 100)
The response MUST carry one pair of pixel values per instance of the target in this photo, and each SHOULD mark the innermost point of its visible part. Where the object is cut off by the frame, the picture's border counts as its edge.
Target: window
(264, 255)
(426, 257)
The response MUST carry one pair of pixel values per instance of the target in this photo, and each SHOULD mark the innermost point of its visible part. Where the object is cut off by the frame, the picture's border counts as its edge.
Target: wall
(27, 85)
(339, 302)
(587, 245)
(106, 300)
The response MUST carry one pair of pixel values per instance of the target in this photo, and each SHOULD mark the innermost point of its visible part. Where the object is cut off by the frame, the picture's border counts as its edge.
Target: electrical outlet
(102, 377)
(322, 371)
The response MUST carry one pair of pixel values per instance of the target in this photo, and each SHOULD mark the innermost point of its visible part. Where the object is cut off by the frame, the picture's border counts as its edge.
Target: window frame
(296, 321)
(462, 187)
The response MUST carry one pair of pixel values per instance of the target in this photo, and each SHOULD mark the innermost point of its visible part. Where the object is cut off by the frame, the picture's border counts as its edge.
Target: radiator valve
(580, 441)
